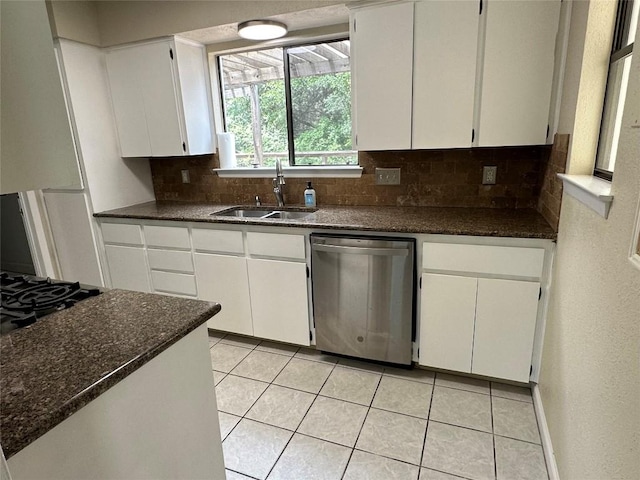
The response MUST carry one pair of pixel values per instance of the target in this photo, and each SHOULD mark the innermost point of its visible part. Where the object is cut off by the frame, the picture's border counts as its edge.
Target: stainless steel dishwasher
(363, 296)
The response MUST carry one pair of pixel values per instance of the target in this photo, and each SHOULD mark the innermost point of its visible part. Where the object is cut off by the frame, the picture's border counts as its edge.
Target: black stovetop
(26, 299)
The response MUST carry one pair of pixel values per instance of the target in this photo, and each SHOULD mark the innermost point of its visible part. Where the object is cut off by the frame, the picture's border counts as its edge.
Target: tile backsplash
(444, 178)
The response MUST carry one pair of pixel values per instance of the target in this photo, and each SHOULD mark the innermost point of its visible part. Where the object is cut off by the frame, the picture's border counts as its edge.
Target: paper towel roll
(227, 150)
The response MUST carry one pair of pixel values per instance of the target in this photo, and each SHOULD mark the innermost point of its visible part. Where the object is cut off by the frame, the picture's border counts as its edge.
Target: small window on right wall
(618, 78)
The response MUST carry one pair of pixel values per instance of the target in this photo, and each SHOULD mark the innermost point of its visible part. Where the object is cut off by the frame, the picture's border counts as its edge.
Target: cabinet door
(279, 300)
(444, 73)
(506, 315)
(160, 98)
(447, 312)
(128, 268)
(518, 72)
(382, 49)
(223, 279)
(123, 66)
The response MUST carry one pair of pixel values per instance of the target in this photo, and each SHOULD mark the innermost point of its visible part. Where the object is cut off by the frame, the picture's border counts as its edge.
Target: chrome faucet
(278, 183)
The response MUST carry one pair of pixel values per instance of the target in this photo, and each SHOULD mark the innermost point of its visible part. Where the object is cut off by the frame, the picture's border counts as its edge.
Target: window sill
(345, 171)
(594, 192)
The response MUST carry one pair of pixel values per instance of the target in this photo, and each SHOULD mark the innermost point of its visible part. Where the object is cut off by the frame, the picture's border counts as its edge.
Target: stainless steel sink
(244, 212)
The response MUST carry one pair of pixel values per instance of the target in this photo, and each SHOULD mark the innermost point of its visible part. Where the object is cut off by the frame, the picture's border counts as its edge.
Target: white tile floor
(297, 414)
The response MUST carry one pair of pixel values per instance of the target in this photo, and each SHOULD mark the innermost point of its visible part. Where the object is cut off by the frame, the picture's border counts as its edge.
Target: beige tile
(521, 460)
(240, 341)
(416, 374)
(227, 422)
(351, 385)
(459, 451)
(281, 407)
(215, 338)
(515, 419)
(365, 466)
(461, 408)
(307, 458)
(392, 435)
(428, 474)
(224, 358)
(263, 366)
(463, 383)
(334, 420)
(522, 394)
(231, 475)
(235, 395)
(279, 348)
(315, 355)
(218, 376)
(304, 375)
(253, 448)
(403, 396)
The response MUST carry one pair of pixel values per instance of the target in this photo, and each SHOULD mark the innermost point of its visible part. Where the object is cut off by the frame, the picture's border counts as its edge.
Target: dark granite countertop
(54, 367)
(494, 222)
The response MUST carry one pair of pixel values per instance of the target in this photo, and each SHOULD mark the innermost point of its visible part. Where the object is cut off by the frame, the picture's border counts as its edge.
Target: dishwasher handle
(395, 252)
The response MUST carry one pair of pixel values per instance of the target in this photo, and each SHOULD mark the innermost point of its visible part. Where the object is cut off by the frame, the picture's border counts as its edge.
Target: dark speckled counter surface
(54, 367)
(494, 222)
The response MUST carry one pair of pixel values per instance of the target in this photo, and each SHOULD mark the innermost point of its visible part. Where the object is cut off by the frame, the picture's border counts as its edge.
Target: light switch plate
(387, 176)
(489, 175)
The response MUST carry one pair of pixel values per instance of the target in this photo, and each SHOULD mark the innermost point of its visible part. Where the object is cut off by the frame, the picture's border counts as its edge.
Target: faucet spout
(278, 183)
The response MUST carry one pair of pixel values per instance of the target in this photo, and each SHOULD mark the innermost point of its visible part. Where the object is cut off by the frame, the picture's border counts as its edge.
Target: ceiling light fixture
(261, 29)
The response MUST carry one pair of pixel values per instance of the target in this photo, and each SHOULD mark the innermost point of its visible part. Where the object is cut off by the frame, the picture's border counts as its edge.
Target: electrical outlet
(387, 176)
(489, 175)
(185, 176)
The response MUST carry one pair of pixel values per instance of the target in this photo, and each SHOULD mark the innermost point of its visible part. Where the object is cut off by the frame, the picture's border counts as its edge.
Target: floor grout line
(493, 441)
(424, 440)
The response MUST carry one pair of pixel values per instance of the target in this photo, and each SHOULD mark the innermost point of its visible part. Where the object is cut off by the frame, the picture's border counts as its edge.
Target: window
(619, 66)
(291, 103)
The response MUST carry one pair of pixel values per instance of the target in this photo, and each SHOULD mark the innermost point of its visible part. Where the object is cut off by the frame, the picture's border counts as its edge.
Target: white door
(506, 315)
(223, 279)
(447, 311)
(518, 72)
(128, 268)
(444, 73)
(160, 98)
(279, 300)
(123, 66)
(382, 56)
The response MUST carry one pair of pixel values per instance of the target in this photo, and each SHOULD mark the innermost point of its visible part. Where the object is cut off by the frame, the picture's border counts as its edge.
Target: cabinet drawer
(121, 233)
(174, 283)
(483, 259)
(276, 245)
(222, 241)
(175, 237)
(170, 260)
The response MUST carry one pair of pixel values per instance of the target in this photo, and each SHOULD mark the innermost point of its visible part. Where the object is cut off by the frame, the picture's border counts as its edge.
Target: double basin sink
(262, 213)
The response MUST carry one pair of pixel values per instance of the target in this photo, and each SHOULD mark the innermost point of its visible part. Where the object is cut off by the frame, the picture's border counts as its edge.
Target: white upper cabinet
(160, 98)
(37, 144)
(452, 74)
(444, 73)
(517, 72)
(382, 55)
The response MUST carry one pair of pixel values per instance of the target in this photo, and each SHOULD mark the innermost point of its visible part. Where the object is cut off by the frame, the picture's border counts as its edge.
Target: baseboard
(545, 436)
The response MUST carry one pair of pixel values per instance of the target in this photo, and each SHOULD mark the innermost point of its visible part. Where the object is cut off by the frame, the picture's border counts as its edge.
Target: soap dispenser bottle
(309, 196)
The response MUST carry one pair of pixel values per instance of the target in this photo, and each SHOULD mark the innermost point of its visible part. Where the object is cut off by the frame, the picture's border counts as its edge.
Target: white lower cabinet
(223, 279)
(128, 268)
(279, 302)
(506, 313)
(483, 326)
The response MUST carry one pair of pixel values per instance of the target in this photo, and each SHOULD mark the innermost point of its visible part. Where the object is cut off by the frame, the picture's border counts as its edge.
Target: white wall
(590, 380)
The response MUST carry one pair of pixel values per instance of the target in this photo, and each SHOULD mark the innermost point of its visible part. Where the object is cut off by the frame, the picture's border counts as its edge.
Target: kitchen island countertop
(51, 369)
(494, 222)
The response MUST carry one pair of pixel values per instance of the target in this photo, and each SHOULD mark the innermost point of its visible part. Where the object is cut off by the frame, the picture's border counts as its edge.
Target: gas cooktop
(26, 299)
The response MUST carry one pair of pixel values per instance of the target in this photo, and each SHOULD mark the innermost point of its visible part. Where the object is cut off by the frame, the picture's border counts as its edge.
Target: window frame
(619, 52)
(287, 87)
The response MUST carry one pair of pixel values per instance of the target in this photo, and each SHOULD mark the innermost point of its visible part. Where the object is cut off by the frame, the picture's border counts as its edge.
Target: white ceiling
(317, 17)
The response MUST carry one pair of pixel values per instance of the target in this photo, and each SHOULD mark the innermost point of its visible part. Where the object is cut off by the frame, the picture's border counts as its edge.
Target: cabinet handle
(480, 7)
(171, 53)
(184, 147)
(473, 134)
